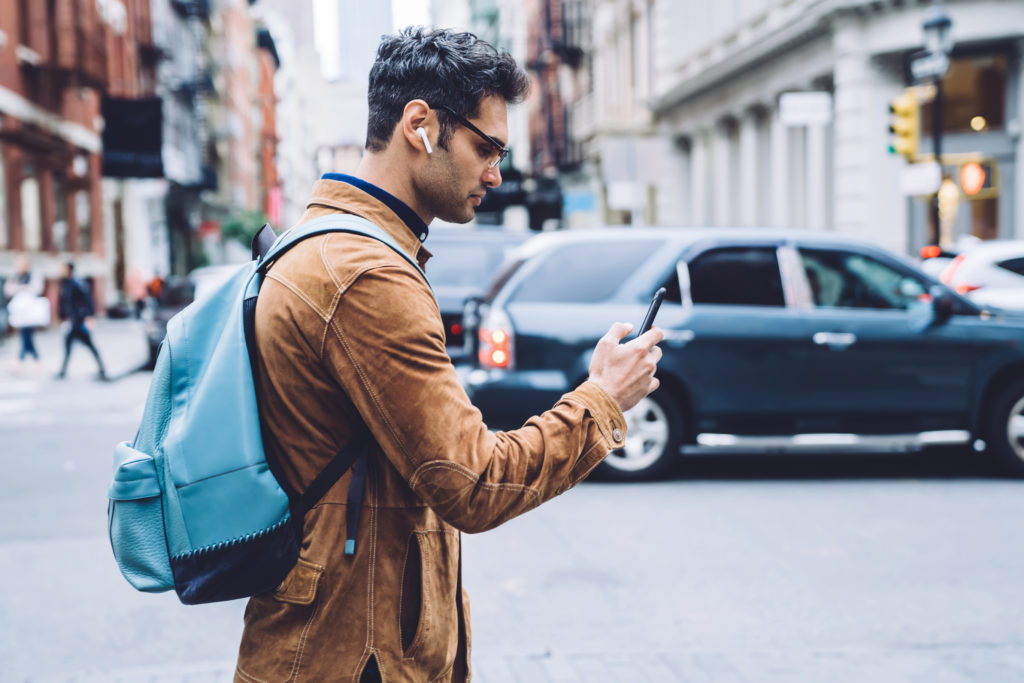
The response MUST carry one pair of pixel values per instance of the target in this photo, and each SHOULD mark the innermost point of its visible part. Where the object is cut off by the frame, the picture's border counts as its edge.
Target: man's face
(456, 179)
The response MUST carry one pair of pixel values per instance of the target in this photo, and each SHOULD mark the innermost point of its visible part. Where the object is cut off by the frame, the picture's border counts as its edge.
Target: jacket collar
(339, 192)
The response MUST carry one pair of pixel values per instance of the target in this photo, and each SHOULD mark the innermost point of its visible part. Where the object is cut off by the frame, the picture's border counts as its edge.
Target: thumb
(618, 331)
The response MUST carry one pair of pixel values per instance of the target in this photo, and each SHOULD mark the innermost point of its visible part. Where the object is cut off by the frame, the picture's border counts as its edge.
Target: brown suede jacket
(347, 327)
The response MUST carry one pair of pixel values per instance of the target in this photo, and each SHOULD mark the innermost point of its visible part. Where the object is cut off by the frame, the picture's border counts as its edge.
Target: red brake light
(931, 251)
(456, 329)
(494, 349)
(495, 352)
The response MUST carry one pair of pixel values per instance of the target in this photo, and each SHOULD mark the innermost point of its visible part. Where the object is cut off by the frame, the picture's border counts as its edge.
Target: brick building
(270, 184)
(58, 58)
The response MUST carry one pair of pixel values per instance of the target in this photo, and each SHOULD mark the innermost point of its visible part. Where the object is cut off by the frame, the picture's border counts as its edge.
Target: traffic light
(905, 125)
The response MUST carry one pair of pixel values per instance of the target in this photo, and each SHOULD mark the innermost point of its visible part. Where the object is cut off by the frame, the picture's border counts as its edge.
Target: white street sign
(925, 65)
(626, 195)
(921, 179)
(805, 108)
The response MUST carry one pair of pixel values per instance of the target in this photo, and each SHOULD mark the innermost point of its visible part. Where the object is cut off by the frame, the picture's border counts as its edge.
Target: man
(348, 332)
(76, 308)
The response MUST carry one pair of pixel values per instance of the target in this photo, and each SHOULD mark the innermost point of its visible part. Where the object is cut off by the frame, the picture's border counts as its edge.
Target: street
(736, 569)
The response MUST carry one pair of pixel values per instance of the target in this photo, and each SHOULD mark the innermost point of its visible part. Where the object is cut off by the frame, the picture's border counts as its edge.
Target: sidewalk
(121, 344)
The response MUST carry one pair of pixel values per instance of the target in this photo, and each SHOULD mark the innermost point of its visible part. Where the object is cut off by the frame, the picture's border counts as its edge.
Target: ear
(417, 115)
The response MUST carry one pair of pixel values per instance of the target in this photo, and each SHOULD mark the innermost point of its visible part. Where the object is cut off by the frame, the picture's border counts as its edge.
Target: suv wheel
(1006, 428)
(654, 432)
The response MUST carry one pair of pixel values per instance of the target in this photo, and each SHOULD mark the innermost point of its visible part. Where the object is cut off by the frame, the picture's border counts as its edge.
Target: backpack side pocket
(136, 521)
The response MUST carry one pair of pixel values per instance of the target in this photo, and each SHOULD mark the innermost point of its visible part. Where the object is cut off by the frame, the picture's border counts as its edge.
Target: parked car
(991, 274)
(177, 293)
(775, 341)
(463, 263)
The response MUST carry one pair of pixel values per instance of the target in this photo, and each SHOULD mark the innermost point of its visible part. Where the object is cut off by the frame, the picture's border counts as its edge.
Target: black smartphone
(659, 296)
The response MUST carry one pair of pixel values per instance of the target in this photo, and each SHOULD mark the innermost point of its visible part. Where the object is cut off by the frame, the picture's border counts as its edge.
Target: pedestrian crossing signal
(978, 179)
(905, 125)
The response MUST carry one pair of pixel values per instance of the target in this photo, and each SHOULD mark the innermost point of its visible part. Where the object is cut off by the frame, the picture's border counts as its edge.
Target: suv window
(745, 276)
(465, 264)
(584, 272)
(841, 279)
(1014, 265)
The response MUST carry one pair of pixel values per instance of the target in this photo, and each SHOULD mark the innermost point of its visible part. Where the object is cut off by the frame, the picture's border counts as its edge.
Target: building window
(973, 96)
(31, 220)
(83, 216)
(4, 217)
(60, 217)
(24, 35)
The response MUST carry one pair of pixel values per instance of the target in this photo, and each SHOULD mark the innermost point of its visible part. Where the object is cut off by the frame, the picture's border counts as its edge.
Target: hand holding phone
(659, 296)
(619, 369)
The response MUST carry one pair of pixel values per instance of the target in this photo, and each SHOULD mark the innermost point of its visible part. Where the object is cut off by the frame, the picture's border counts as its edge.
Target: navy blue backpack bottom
(255, 566)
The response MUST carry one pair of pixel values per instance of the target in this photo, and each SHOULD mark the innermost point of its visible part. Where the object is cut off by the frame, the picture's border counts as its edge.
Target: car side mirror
(942, 305)
(937, 311)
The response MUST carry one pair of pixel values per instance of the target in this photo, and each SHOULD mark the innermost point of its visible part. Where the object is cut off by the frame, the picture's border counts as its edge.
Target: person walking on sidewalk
(27, 309)
(349, 341)
(76, 310)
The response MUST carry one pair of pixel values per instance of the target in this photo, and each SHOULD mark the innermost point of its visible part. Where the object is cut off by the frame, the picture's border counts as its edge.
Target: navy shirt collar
(401, 209)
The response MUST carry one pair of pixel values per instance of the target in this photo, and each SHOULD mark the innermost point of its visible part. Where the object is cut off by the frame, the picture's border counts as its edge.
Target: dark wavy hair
(439, 66)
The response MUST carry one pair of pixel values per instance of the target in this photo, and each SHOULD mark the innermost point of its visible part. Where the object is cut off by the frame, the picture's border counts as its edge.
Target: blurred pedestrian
(76, 310)
(135, 289)
(350, 354)
(27, 309)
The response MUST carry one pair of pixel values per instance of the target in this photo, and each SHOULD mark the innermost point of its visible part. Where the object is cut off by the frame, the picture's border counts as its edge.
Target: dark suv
(463, 261)
(775, 341)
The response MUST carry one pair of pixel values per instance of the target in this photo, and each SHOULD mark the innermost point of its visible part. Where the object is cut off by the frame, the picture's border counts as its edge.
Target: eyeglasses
(502, 151)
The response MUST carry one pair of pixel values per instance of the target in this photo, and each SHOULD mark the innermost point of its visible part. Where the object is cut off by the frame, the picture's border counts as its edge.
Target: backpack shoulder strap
(355, 453)
(342, 222)
(263, 241)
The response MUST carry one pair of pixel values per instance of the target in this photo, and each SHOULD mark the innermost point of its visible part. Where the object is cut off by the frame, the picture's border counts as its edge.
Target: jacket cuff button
(617, 435)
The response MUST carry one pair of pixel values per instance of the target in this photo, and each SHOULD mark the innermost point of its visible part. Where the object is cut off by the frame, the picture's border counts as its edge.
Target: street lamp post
(938, 44)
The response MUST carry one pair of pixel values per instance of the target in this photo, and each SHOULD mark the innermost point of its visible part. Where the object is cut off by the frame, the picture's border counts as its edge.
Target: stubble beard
(442, 194)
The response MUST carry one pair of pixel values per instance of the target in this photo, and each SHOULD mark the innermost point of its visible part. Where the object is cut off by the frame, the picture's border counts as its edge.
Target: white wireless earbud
(426, 143)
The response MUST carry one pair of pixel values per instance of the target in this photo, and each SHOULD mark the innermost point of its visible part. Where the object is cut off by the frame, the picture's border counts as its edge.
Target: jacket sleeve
(385, 346)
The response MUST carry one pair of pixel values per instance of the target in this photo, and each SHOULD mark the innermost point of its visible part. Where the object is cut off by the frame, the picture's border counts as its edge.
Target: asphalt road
(736, 569)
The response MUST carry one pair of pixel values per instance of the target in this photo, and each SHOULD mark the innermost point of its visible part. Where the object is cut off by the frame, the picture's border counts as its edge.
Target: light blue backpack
(195, 506)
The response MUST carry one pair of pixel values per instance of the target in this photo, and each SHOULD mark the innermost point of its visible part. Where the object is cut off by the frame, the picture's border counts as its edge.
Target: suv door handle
(834, 339)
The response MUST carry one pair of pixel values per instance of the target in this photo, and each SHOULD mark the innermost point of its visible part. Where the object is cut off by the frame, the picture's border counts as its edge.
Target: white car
(990, 274)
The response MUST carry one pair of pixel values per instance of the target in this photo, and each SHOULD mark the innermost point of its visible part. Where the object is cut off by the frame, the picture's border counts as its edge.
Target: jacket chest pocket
(428, 623)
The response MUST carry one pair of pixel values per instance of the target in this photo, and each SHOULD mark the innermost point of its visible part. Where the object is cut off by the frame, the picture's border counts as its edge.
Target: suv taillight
(496, 341)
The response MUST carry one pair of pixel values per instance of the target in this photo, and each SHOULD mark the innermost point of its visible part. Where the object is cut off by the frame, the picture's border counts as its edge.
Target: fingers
(626, 371)
(617, 332)
(651, 338)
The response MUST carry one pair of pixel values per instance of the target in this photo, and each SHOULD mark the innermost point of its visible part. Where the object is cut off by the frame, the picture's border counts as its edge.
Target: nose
(492, 176)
